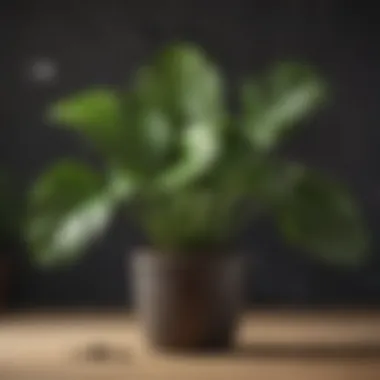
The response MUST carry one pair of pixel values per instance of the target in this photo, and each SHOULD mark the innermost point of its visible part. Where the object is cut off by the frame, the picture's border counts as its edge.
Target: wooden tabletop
(271, 345)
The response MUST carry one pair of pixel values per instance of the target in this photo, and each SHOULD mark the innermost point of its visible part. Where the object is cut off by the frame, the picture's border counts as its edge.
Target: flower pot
(187, 302)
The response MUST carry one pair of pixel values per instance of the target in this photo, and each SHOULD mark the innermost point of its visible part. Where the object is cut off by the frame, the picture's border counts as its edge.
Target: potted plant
(190, 172)
(10, 234)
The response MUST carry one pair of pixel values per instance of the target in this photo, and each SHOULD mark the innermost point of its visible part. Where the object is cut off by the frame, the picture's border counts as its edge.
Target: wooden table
(272, 345)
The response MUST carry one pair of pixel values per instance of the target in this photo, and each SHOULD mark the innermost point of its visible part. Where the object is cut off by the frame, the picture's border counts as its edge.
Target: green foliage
(184, 165)
(276, 104)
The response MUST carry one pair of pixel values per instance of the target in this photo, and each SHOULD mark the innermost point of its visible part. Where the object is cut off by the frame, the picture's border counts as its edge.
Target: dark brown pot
(4, 282)
(188, 303)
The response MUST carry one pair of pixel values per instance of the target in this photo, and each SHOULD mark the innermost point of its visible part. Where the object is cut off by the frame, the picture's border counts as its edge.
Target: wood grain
(271, 345)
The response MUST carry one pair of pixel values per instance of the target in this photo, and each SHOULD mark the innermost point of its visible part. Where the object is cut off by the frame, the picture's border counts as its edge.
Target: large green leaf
(128, 130)
(312, 212)
(322, 218)
(97, 113)
(185, 88)
(69, 207)
(184, 84)
(276, 104)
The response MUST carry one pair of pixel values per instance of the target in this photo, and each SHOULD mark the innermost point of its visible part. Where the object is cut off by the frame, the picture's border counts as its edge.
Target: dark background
(101, 42)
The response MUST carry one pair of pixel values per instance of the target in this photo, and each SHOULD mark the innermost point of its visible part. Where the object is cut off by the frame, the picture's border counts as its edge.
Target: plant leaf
(187, 90)
(314, 213)
(322, 218)
(185, 85)
(200, 149)
(70, 206)
(147, 136)
(272, 107)
(130, 132)
(97, 114)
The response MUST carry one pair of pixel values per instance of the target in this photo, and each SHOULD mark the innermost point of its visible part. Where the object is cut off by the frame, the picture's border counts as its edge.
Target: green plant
(183, 164)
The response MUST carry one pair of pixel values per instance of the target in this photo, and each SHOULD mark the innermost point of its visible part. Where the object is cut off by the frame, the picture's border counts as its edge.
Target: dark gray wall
(104, 41)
